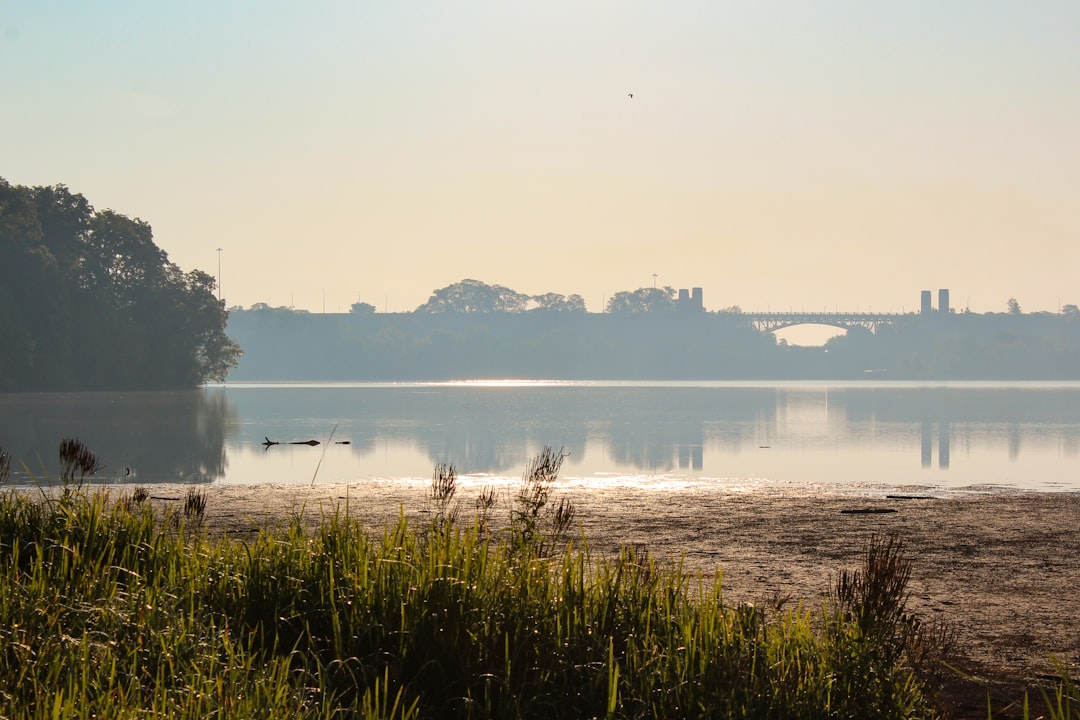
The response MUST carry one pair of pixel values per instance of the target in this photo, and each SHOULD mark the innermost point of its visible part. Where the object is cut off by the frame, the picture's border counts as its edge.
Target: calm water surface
(864, 438)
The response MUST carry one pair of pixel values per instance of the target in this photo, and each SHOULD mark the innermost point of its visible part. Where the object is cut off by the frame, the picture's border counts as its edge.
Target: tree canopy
(643, 300)
(88, 301)
(474, 296)
(361, 308)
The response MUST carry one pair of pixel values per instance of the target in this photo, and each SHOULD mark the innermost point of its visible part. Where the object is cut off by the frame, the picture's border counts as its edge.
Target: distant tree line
(474, 330)
(474, 296)
(88, 301)
(968, 346)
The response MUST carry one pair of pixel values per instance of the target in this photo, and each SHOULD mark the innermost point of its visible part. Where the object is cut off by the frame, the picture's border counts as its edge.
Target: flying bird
(631, 95)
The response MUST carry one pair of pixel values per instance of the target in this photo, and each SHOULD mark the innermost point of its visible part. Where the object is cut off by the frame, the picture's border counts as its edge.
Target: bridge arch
(771, 322)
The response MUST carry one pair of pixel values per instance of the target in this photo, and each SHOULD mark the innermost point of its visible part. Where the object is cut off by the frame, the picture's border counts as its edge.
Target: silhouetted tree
(361, 308)
(90, 302)
(553, 302)
(643, 300)
(1013, 306)
(473, 296)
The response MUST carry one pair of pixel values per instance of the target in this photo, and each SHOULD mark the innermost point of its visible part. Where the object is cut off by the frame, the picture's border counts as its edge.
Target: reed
(77, 461)
(107, 609)
(1062, 702)
(5, 466)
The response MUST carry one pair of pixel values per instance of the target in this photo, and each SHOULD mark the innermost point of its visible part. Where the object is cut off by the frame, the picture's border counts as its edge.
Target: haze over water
(798, 436)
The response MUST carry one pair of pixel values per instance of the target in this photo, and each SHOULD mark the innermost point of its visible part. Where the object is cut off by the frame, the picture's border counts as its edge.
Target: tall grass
(107, 608)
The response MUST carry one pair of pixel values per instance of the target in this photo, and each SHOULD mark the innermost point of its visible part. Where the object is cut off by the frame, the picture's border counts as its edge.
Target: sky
(818, 155)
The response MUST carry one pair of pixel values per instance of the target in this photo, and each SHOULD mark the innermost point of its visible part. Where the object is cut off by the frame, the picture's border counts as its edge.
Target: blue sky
(778, 154)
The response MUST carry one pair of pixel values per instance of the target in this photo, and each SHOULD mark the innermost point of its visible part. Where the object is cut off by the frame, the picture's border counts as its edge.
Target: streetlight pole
(219, 274)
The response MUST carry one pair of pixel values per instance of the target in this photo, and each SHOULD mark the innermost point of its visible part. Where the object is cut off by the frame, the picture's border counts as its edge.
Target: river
(863, 438)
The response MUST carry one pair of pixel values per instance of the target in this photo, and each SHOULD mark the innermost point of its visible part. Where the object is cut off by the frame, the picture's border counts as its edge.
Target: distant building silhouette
(925, 307)
(691, 300)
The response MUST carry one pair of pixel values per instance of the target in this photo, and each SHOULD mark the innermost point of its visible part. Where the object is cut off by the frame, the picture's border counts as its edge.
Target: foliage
(474, 296)
(1013, 306)
(1063, 703)
(643, 300)
(88, 301)
(443, 488)
(554, 302)
(634, 342)
(77, 461)
(108, 608)
(527, 516)
(361, 308)
(112, 609)
(278, 344)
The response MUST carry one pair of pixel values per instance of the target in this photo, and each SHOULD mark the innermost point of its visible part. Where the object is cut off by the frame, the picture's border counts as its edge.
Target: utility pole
(219, 274)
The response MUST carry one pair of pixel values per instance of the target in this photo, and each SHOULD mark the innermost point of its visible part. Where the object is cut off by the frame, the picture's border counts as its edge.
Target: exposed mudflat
(1002, 569)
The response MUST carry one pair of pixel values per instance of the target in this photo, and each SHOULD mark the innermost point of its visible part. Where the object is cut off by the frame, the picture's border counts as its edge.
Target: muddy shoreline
(1002, 569)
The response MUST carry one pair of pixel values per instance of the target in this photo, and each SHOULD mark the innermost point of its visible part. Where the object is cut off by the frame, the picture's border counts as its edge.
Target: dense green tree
(90, 302)
(643, 300)
(554, 302)
(474, 296)
(65, 223)
(25, 264)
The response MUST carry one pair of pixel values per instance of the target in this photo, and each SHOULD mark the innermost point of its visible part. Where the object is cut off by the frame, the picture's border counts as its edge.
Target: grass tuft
(195, 505)
(77, 461)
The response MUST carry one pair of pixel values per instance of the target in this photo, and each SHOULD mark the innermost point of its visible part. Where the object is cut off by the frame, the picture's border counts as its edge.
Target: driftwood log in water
(267, 442)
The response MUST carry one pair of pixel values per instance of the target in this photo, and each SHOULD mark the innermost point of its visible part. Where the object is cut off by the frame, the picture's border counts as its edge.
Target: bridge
(767, 322)
(773, 321)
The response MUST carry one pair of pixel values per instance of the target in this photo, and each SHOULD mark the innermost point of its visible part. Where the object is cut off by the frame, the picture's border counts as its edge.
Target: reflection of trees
(487, 429)
(497, 429)
(647, 428)
(665, 428)
(160, 437)
(955, 404)
(480, 429)
(655, 429)
(1003, 416)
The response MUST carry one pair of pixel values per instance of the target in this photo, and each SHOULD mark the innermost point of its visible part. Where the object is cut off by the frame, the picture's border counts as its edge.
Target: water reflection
(140, 437)
(803, 433)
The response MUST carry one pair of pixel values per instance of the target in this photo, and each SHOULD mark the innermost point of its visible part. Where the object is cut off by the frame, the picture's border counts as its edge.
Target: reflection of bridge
(772, 321)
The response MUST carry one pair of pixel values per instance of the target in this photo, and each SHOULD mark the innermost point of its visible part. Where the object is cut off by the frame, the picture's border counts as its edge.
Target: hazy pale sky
(778, 154)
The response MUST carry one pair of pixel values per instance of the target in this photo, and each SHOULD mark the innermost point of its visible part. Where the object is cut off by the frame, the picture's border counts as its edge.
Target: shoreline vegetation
(121, 316)
(117, 313)
(494, 606)
(475, 330)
